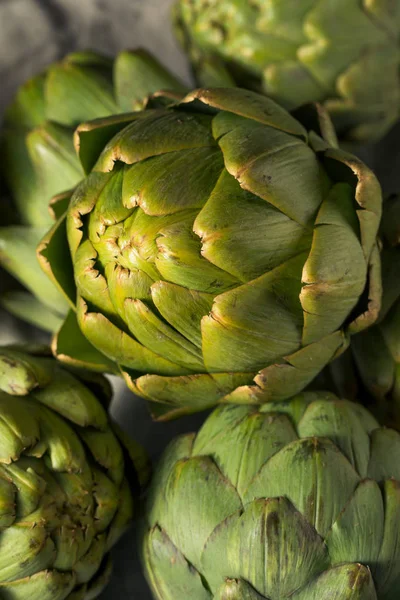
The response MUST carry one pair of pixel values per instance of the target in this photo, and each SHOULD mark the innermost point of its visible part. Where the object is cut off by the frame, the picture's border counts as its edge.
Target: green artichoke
(298, 500)
(344, 53)
(39, 160)
(371, 367)
(222, 251)
(67, 479)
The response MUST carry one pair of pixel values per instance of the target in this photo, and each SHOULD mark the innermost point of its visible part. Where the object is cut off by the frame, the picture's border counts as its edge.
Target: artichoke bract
(371, 366)
(344, 53)
(222, 251)
(39, 161)
(68, 479)
(298, 500)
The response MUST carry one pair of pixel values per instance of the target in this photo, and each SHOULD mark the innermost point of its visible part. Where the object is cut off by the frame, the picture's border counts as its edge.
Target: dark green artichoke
(344, 53)
(39, 160)
(298, 500)
(67, 479)
(222, 251)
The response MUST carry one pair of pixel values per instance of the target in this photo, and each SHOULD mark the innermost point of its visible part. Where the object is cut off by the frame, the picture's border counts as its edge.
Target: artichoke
(299, 500)
(65, 498)
(39, 160)
(344, 53)
(222, 251)
(371, 366)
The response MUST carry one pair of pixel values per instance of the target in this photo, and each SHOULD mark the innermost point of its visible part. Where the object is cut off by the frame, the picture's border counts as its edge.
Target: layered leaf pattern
(65, 498)
(344, 53)
(291, 500)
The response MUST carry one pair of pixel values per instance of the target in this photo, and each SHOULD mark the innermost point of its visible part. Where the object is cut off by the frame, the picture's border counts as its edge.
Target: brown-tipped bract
(222, 250)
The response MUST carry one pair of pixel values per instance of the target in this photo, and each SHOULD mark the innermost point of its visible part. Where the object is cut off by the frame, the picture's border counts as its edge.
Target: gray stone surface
(36, 32)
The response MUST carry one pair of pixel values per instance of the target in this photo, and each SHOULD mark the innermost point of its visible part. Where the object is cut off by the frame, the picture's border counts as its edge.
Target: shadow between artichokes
(342, 53)
(69, 479)
(222, 249)
(38, 158)
(297, 499)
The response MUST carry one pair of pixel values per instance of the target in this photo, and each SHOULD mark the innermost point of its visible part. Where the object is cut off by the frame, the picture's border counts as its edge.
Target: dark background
(36, 32)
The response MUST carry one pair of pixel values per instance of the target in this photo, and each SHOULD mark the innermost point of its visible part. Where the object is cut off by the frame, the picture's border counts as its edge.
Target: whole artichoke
(39, 160)
(371, 366)
(64, 493)
(221, 250)
(296, 500)
(344, 53)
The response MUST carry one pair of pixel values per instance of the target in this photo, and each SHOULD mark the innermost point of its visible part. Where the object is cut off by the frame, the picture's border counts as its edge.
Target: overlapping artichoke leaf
(370, 368)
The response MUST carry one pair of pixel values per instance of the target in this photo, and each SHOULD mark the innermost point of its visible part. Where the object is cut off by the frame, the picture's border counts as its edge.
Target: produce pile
(216, 248)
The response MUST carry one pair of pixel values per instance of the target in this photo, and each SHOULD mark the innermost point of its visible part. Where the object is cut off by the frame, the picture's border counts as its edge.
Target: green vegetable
(221, 250)
(343, 53)
(65, 498)
(296, 500)
(39, 160)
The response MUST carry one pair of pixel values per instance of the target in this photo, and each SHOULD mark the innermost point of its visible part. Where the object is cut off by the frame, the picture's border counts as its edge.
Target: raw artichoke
(344, 53)
(296, 500)
(39, 159)
(371, 367)
(221, 250)
(67, 476)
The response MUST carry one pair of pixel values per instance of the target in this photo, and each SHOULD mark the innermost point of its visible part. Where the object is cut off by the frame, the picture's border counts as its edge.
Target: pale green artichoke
(68, 478)
(343, 53)
(298, 500)
(39, 160)
(222, 251)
